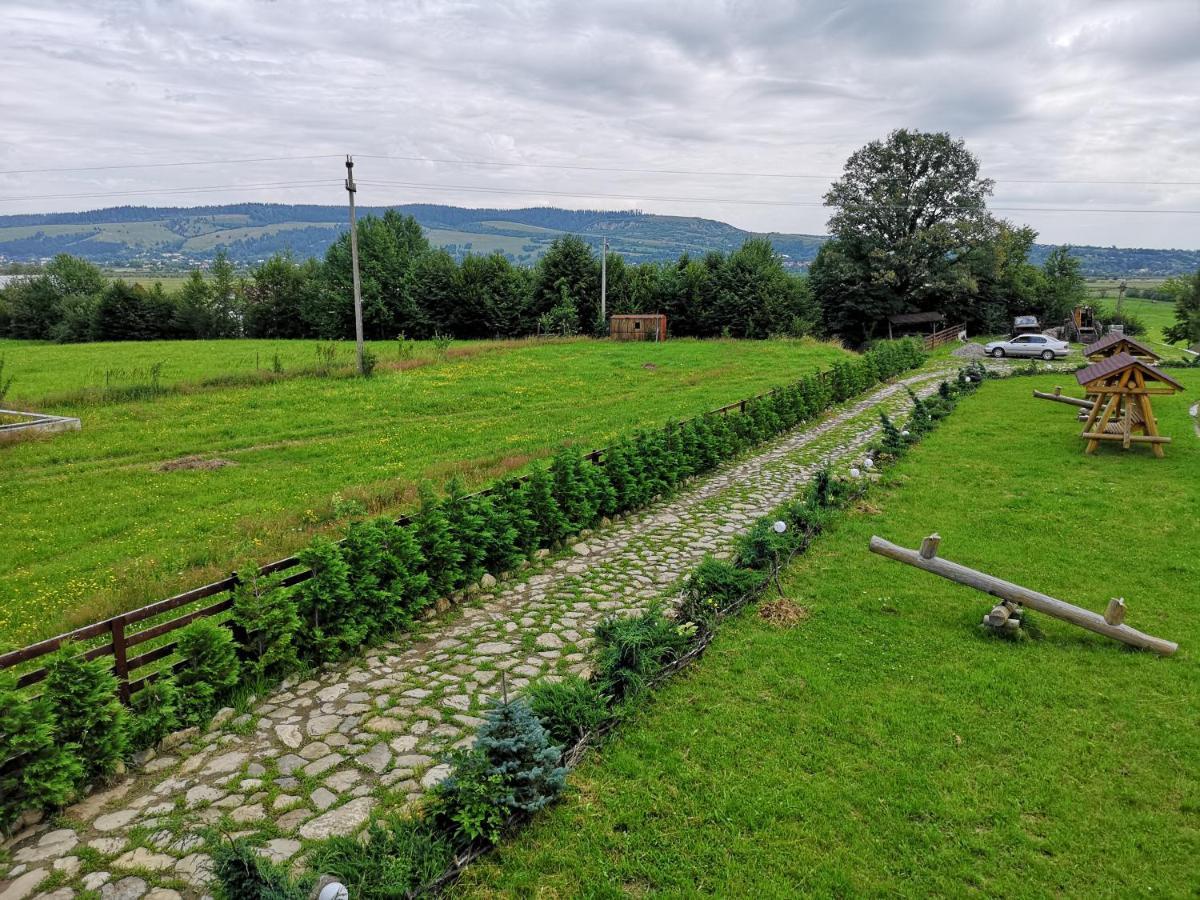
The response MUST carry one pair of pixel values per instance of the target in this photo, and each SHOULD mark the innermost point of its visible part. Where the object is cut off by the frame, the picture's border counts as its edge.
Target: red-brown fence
(945, 336)
(121, 640)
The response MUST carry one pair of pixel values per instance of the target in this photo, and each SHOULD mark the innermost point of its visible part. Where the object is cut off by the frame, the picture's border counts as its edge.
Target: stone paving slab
(320, 755)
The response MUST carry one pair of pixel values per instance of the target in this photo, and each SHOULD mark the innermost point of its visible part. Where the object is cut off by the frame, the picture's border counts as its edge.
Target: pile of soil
(195, 462)
(969, 350)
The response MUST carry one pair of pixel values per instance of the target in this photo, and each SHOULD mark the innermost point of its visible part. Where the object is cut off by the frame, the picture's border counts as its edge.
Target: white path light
(780, 527)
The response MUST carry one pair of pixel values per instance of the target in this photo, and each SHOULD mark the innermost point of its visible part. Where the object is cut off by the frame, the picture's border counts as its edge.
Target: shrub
(84, 698)
(244, 875)
(50, 768)
(762, 547)
(210, 669)
(711, 587)
(552, 525)
(398, 856)
(469, 529)
(472, 802)
(572, 489)
(443, 556)
(266, 613)
(386, 575)
(892, 442)
(827, 492)
(330, 617)
(567, 709)
(155, 713)
(631, 650)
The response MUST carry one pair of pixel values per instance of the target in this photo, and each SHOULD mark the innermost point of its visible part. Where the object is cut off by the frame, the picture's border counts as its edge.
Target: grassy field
(887, 747)
(95, 525)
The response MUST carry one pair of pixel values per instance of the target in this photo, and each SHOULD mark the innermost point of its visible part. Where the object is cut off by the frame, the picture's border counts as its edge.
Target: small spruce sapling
(539, 500)
(330, 616)
(519, 749)
(154, 713)
(442, 553)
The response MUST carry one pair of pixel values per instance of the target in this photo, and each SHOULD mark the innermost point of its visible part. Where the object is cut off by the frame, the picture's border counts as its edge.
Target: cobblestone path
(319, 756)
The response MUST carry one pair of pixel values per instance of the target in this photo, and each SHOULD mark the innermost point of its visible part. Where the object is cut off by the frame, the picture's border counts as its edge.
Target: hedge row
(377, 580)
(517, 764)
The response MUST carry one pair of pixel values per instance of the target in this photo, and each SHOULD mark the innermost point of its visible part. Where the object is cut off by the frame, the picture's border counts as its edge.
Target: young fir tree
(443, 555)
(50, 767)
(571, 489)
(539, 500)
(519, 749)
(892, 442)
(510, 497)
(470, 530)
(210, 669)
(154, 713)
(364, 552)
(331, 619)
(84, 698)
(621, 479)
(404, 575)
(266, 613)
(501, 540)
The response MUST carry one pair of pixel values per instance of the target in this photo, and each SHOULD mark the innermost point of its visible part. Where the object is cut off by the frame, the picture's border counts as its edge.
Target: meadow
(885, 746)
(161, 494)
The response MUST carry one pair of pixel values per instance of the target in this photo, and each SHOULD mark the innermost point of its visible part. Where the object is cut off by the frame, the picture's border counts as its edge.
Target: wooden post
(120, 659)
(929, 546)
(1115, 613)
(1006, 590)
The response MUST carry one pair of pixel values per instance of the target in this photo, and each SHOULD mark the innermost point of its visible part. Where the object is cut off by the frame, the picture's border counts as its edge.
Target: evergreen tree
(50, 767)
(84, 698)
(442, 553)
(518, 748)
(552, 525)
(210, 669)
(267, 614)
(154, 713)
(332, 619)
(404, 575)
(502, 547)
(510, 500)
(469, 528)
(571, 489)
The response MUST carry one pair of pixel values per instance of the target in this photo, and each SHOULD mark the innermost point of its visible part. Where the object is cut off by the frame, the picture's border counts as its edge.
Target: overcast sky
(1046, 91)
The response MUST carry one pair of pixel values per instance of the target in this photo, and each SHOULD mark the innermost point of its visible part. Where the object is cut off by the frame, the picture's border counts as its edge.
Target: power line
(744, 202)
(699, 173)
(168, 165)
(157, 191)
(727, 174)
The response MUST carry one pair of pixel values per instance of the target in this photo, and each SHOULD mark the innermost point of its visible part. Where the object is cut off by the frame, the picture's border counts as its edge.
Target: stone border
(35, 423)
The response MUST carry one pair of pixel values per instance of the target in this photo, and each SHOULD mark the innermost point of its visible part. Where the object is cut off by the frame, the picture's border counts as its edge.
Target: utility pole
(358, 325)
(603, 283)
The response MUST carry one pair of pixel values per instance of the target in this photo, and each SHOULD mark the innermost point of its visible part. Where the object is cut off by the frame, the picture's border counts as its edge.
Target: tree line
(910, 229)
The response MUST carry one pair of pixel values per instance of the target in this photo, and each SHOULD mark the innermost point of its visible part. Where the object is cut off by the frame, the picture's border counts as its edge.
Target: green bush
(472, 802)
(50, 768)
(567, 709)
(155, 713)
(442, 553)
(711, 587)
(629, 651)
(209, 670)
(762, 547)
(269, 621)
(331, 618)
(552, 525)
(89, 714)
(244, 875)
(399, 855)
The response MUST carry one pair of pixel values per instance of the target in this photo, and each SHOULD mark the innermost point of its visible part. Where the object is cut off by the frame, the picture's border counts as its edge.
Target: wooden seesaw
(1111, 624)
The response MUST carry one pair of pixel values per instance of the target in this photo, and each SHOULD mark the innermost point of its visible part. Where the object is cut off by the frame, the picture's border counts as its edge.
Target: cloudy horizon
(740, 112)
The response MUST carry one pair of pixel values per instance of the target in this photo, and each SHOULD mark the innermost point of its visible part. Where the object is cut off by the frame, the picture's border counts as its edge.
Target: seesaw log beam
(1006, 590)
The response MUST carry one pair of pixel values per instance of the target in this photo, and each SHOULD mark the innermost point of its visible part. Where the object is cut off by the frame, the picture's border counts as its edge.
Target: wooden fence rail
(945, 336)
(121, 640)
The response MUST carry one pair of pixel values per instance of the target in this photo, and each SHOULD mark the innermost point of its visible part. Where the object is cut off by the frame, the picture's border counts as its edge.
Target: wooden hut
(1115, 342)
(1122, 387)
(920, 323)
(638, 327)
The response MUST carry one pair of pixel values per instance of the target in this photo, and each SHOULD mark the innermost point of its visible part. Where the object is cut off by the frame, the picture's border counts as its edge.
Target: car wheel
(1047, 355)
(998, 352)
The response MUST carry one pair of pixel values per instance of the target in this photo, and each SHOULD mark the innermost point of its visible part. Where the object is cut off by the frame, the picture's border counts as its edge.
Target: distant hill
(179, 237)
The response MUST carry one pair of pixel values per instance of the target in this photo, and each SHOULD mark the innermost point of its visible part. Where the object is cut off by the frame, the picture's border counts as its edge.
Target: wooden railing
(945, 336)
(121, 640)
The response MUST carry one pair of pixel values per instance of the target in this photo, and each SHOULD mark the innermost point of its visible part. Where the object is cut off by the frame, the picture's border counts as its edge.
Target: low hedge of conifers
(374, 583)
(522, 752)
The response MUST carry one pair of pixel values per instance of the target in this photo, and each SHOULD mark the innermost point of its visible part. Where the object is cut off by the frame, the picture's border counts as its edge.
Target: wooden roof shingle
(1115, 363)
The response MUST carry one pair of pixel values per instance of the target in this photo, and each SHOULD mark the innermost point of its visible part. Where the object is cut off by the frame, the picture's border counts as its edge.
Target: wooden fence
(945, 336)
(121, 640)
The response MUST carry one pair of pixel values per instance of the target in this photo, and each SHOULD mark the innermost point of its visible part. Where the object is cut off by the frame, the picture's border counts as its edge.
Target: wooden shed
(1114, 342)
(638, 327)
(920, 323)
(1122, 387)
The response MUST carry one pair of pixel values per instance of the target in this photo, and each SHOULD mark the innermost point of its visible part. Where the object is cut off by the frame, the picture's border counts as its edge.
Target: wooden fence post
(120, 658)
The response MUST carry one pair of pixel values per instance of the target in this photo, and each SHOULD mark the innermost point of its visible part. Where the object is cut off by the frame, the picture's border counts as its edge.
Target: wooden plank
(140, 637)
(1007, 590)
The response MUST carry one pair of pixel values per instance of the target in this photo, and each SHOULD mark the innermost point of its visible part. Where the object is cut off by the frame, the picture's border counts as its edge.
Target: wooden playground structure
(1115, 342)
(1118, 389)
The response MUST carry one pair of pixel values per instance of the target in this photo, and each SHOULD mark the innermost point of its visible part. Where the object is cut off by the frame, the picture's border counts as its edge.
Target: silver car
(1029, 345)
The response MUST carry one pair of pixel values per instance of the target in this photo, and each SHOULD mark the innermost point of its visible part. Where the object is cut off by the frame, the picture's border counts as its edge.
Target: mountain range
(170, 238)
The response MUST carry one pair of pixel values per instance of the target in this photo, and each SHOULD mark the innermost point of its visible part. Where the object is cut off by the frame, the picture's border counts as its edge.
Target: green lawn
(1156, 314)
(94, 526)
(885, 746)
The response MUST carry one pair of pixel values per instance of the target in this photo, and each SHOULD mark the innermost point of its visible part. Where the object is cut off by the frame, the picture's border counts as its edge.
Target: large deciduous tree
(1186, 292)
(908, 211)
